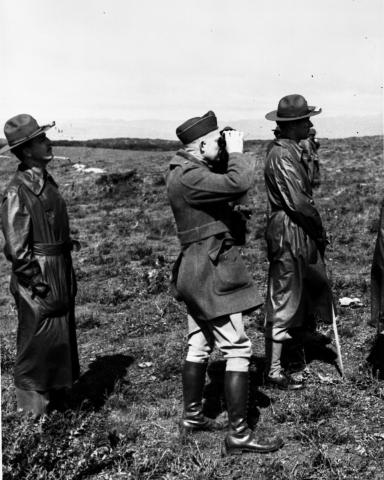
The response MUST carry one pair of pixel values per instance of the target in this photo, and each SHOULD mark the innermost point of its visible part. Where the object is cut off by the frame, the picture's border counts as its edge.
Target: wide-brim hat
(196, 127)
(20, 129)
(290, 108)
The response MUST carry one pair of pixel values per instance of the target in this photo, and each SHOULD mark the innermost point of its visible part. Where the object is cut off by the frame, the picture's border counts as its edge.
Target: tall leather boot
(193, 384)
(240, 437)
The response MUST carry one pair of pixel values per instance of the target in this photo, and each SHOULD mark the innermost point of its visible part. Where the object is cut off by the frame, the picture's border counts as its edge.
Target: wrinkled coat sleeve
(16, 224)
(212, 187)
(297, 202)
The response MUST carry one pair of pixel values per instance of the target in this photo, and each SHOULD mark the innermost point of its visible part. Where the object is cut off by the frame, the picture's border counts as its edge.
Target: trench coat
(37, 243)
(210, 275)
(377, 278)
(298, 287)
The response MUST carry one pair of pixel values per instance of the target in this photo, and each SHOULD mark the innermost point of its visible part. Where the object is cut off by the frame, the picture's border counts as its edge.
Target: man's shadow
(93, 387)
(214, 398)
(296, 357)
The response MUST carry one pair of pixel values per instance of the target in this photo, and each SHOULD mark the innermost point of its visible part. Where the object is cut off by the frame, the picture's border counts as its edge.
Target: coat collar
(33, 179)
(181, 156)
(288, 142)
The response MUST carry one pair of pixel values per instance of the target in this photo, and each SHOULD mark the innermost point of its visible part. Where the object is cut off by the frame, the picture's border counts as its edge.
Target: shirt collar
(34, 179)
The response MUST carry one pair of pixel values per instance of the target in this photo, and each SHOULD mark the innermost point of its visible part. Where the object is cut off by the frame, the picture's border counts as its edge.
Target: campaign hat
(196, 127)
(20, 129)
(290, 108)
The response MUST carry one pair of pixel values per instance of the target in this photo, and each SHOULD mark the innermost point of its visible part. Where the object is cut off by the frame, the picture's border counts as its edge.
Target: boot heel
(225, 451)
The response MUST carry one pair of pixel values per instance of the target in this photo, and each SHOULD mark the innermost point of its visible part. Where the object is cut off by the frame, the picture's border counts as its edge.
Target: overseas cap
(196, 127)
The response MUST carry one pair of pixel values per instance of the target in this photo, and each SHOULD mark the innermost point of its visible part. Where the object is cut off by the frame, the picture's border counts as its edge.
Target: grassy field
(122, 423)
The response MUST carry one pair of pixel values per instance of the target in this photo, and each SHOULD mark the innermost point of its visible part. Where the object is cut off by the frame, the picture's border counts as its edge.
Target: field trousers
(227, 334)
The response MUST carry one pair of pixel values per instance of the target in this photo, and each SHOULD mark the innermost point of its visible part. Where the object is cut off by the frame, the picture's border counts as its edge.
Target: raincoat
(210, 275)
(37, 243)
(377, 278)
(298, 288)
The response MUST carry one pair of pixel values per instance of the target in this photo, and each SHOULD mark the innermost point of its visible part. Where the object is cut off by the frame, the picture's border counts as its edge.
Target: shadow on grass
(326, 354)
(97, 383)
(214, 399)
(294, 357)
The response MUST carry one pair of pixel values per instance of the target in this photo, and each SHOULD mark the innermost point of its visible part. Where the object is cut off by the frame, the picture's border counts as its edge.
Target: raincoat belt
(201, 232)
(52, 249)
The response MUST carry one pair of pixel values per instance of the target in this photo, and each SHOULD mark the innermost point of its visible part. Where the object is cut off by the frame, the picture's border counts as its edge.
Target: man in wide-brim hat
(210, 275)
(298, 288)
(38, 244)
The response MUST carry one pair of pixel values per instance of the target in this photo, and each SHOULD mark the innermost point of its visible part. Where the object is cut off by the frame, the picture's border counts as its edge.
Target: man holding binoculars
(210, 276)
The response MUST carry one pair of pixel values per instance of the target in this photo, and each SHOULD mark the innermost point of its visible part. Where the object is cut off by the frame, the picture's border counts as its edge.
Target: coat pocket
(57, 301)
(229, 271)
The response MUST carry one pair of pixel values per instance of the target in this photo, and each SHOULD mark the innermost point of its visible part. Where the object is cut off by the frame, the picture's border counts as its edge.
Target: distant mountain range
(329, 127)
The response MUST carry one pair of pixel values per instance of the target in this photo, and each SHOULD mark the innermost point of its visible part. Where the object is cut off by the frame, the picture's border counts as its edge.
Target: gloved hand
(245, 211)
(40, 289)
(234, 141)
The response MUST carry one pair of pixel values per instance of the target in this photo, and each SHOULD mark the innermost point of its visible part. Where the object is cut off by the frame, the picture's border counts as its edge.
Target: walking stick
(339, 364)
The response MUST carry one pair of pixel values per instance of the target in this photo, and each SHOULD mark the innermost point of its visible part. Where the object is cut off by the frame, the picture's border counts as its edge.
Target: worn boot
(193, 385)
(275, 376)
(240, 437)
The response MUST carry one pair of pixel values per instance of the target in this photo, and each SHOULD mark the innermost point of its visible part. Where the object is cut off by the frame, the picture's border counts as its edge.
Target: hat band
(40, 129)
(293, 114)
(21, 140)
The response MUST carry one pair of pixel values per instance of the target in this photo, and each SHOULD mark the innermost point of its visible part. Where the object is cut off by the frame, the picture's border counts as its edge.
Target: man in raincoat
(376, 356)
(210, 276)
(298, 289)
(38, 245)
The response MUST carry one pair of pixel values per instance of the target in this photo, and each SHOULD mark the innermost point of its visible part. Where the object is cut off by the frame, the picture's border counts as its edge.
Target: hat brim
(40, 130)
(275, 118)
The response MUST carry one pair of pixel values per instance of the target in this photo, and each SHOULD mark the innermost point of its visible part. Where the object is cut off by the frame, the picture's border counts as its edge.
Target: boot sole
(287, 388)
(225, 452)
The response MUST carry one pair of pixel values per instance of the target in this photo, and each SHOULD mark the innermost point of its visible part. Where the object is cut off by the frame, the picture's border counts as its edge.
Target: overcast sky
(173, 59)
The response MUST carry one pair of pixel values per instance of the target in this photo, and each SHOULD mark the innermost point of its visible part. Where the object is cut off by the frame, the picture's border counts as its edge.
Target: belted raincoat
(298, 287)
(210, 275)
(38, 244)
(377, 278)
